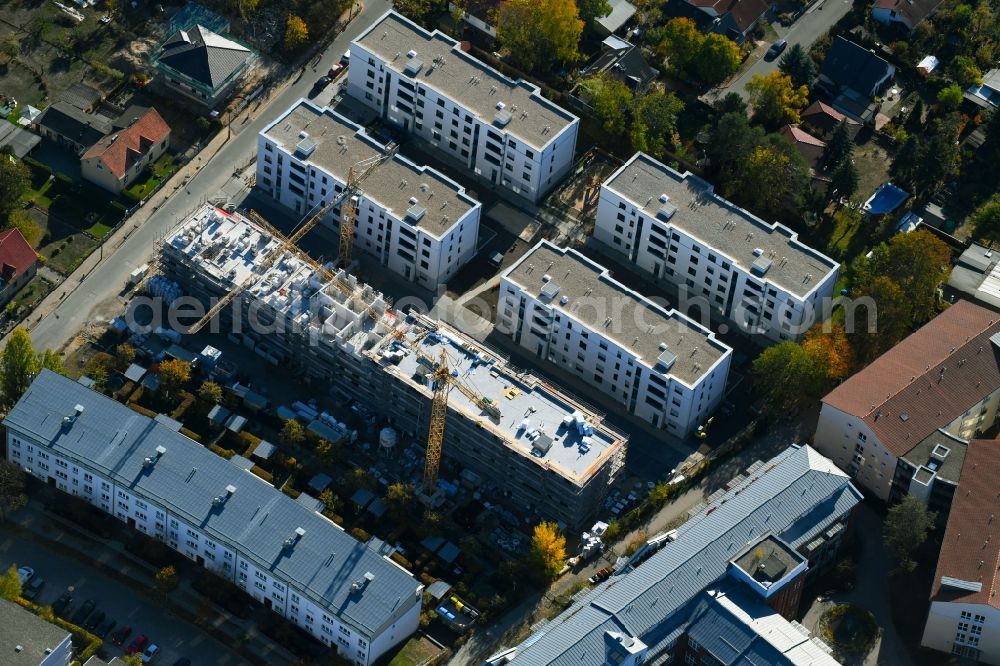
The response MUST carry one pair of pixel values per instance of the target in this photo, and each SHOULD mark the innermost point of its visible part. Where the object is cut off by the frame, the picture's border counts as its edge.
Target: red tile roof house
(964, 614)
(808, 146)
(733, 18)
(116, 160)
(822, 119)
(905, 14)
(18, 262)
(941, 382)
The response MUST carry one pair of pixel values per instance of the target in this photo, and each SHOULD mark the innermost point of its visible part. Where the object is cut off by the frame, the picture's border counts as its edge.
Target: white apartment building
(347, 594)
(502, 130)
(900, 425)
(673, 227)
(414, 220)
(563, 307)
(28, 640)
(964, 614)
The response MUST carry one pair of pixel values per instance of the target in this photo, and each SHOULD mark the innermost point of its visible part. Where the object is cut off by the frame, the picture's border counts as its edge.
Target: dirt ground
(585, 186)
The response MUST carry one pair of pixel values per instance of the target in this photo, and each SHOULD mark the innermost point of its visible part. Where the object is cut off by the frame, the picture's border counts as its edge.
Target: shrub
(401, 561)
(191, 434)
(360, 535)
(262, 473)
(186, 401)
(142, 410)
(219, 451)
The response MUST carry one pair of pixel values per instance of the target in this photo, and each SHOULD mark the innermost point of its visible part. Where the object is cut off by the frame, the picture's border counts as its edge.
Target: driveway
(812, 25)
(175, 637)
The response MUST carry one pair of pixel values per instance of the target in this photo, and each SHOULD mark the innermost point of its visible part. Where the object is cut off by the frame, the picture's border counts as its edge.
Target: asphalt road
(811, 26)
(175, 637)
(106, 281)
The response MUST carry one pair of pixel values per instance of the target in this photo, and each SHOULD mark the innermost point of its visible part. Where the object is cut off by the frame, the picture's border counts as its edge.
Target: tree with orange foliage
(832, 350)
(548, 551)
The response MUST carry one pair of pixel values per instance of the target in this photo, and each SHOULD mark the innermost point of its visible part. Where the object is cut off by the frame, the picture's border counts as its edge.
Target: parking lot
(127, 607)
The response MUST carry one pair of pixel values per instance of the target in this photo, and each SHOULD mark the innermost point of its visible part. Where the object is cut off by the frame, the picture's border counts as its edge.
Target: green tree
(593, 9)
(10, 584)
(905, 530)
(296, 32)
(548, 551)
(966, 72)
(986, 221)
(680, 42)
(731, 143)
(787, 377)
(731, 102)
(840, 146)
(905, 163)
(131, 659)
(797, 64)
(14, 181)
(538, 33)
(12, 483)
(775, 100)
(418, 10)
(611, 100)
(844, 180)
(331, 502)
(399, 499)
(892, 319)
(326, 451)
(173, 374)
(292, 433)
(20, 220)
(245, 8)
(210, 392)
(50, 360)
(654, 123)
(718, 58)
(18, 366)
(167, 580)
(950, 97)
(124, 356)
(774, 175)
(10, 46)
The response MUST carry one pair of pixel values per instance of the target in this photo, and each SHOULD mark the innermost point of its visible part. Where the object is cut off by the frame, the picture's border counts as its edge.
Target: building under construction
(543, 451)
(547, 453)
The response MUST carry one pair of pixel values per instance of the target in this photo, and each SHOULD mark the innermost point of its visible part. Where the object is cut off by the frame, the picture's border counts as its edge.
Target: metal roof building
(797, 496)
(161, 471)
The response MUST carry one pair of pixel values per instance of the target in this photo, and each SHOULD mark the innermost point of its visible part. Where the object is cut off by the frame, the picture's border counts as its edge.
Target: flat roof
(24, 637)
(939, 452)
(340, 144)
(768, 561)
(638, 324)
(520, 397)
(461, 77)
(188, 480)
(721, 224)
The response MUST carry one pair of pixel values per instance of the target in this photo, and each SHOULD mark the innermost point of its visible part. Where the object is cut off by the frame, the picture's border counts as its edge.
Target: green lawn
(418, 651)
(157, 173)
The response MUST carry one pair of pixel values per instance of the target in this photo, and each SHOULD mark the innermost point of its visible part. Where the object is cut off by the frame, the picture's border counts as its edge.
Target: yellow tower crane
(349, 209)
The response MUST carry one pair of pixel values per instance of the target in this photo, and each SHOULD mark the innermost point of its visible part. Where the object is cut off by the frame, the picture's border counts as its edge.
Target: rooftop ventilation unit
(363, 582)
(220, 500)
(667, 209)
(413, 65)
(550, 290)
(502, 117)
(411, 54)
(290, 542)
(150, 461)
(940, 451)
(305, 147)
(666, 359)
(760, 266)
(416, 212)
(541, 445)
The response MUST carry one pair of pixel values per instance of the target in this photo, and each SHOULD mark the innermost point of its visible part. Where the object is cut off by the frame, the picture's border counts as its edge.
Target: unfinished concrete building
(548, 454)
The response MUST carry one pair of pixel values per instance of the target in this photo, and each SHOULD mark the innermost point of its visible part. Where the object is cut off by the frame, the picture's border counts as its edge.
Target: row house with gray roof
(347, 594)
(673, 227)
(724, 589)
(503, 131)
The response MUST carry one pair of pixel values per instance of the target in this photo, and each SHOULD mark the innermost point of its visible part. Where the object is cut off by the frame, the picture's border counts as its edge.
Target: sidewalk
(39, 525)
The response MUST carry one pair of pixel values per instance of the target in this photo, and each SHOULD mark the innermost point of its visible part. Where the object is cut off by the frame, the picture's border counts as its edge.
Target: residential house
(622, 61)
(72, 128)
(986, 95)
(19, 141)
(615, 20)
(806, 144)
(284, 555)
(673, 227)
(733, 18)
(964, 613)
(501, 130)
(903, 14)
(28, 640)
(725, 585)
(18, 262)
(118, 158)
(662, 366)
(822, 119)
(899, 425)
(853, 76)
(202, 65)
(414, 220)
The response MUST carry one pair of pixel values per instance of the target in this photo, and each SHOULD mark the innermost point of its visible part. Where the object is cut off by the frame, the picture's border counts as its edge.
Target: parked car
(83, 612)
(61, 605)
(121, 635)
(149, 653)
(34, 586)
(25, 574)
(317, 88)
(104, 628)
(138, 644)
(94, 620)
(346, 58)
(337, 70)
(600, 576)
(775, 49)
